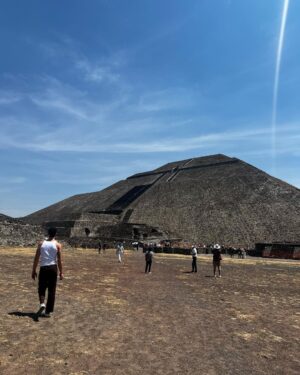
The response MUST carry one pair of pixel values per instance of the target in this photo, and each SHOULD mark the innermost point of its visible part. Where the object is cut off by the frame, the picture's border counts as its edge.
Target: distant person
(135, 246)
(99, 247)
(243, 253)
(49, 254)
(217, 257)
(194, 254)
(148, 259)
(120, 251)
(239, 252)
(205, 249)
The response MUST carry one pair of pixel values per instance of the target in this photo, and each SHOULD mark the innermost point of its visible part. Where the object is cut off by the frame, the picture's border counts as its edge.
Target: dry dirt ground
(111, 318)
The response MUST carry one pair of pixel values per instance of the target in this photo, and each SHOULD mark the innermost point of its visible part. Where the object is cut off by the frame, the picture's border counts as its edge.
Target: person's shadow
(32, 315)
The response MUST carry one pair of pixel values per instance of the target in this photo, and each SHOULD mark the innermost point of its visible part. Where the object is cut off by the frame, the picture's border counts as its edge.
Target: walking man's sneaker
(41, 309)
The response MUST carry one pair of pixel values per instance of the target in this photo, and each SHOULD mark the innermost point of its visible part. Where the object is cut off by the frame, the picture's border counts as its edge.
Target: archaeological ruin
(15, 232)
(204, 200)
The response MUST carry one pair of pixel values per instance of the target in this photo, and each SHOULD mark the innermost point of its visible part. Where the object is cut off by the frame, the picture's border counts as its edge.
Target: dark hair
(52, 232)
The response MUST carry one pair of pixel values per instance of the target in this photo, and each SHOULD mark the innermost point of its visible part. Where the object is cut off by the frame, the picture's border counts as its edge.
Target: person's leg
(195, 266)
(52, 277)
(146, 268)
(149, 267)
(42, 285)
(215, 266)
(219, 269)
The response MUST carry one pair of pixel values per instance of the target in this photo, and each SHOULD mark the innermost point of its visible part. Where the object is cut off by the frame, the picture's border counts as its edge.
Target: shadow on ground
(32, 315)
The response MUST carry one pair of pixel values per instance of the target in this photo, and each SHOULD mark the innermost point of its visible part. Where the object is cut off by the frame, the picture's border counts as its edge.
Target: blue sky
(94, 91)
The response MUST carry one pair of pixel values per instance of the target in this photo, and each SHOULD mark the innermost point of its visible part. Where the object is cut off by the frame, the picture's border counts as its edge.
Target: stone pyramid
(205, 200)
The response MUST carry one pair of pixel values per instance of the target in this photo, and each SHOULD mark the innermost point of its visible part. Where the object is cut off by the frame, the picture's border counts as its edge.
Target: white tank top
(48, 253)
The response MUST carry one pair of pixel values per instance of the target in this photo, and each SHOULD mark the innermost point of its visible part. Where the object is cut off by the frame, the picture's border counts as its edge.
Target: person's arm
(36, 261)
(59, 261)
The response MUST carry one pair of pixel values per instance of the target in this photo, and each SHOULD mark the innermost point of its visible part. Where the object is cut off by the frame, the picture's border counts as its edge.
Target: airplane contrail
(276, 79)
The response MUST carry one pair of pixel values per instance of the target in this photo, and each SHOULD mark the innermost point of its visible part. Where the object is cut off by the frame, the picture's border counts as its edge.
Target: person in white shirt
(194, 258)
(119, 251)
(49, 254)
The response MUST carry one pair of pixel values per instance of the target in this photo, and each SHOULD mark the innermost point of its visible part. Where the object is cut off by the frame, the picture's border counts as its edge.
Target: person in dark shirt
(217, 257)
(194, 254)
(148, 259)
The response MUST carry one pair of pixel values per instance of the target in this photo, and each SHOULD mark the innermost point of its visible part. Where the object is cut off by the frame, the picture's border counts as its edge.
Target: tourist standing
(99, 247)
(135, 246)
(217, 257)
(148, 259)
(194, 258)
(119, 251)
(49, 254)
(243, 256)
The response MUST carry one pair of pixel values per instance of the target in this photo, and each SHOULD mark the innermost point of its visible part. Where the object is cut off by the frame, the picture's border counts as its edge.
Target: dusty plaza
(111, 318)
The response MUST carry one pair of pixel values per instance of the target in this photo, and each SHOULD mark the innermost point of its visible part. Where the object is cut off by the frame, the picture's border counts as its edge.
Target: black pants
(47, 280)
(148, 266)
(194, 264)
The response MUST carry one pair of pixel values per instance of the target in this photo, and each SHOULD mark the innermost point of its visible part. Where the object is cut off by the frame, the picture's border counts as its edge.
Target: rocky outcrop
(14, 232)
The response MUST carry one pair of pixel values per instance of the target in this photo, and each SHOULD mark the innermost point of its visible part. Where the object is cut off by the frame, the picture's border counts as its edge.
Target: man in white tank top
(49, 254)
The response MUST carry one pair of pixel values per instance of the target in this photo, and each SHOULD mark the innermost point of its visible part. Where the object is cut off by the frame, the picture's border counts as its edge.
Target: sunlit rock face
(14, 232)
(207, 199)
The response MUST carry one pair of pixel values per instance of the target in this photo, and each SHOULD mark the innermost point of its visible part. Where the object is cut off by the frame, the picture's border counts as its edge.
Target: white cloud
(96, 72)
(11, 185)
(67, 140)
(123, 118)
(8, 97)
(60, 99)
(171, 98)
(56, 95)
(99, 71)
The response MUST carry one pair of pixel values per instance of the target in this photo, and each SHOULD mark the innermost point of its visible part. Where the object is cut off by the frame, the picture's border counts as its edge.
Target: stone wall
(20, 234)
(93, 223)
